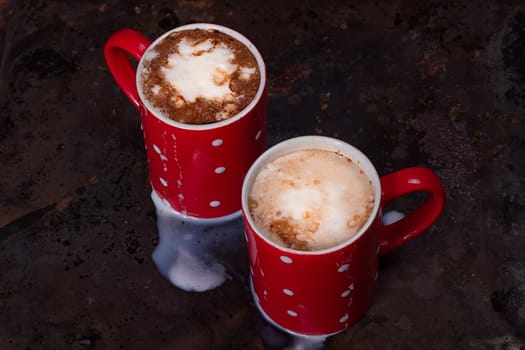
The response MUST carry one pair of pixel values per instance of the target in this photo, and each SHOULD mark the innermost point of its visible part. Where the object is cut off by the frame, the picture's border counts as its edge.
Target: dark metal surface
(439, 84)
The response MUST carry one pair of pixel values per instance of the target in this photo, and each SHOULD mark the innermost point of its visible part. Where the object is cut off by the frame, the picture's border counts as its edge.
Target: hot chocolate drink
(311, 199)
(199, 76)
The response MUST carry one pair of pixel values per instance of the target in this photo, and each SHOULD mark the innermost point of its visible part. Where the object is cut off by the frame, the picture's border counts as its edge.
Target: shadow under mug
(197, 169)
(320, 293)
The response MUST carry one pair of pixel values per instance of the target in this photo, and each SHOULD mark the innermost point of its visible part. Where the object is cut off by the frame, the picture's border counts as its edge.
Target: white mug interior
(312, 142)
(226, 30)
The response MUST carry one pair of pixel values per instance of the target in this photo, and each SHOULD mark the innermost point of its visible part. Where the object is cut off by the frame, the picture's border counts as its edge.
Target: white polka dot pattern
(217, 142)
(286, 259)
(292, 313)
(290, 301)
(197, 171)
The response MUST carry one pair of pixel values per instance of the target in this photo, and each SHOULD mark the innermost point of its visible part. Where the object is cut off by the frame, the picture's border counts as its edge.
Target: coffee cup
(316, 185)
(197, 158)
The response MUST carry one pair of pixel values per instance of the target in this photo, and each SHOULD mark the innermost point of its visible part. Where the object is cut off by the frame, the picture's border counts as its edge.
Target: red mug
(319, 293)
(197, 169)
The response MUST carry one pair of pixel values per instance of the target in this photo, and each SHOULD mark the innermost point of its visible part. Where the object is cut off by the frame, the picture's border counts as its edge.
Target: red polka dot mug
(321, 292)
(197, 168)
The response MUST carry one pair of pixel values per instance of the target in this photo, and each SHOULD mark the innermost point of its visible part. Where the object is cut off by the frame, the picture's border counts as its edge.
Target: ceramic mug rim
(214, 125)
(312, 142)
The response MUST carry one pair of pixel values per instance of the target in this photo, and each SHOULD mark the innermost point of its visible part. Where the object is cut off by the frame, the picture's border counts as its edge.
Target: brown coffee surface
(311, 199)
(199, 76)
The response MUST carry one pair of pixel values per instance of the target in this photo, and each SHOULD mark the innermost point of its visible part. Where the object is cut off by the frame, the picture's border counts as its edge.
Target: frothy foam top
(200, 76)
(311, 199)
(201, 70)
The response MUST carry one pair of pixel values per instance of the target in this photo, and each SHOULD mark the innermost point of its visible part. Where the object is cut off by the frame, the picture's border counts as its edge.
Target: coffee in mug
(199, 76)
(201, 92)
(311, 199)
(312, 209)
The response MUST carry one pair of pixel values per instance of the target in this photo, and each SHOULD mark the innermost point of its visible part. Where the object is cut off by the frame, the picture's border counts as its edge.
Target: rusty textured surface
(440, 84)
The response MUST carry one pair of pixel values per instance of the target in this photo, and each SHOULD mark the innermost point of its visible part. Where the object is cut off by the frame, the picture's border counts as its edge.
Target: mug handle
(403, 182)
(125, 41)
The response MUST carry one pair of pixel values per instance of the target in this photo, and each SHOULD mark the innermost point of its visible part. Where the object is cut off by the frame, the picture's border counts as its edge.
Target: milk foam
(196, 256)
(392, 216)
(201, 70)
(199, 76)
(277, 339)
(307, 343)
(311, 199)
